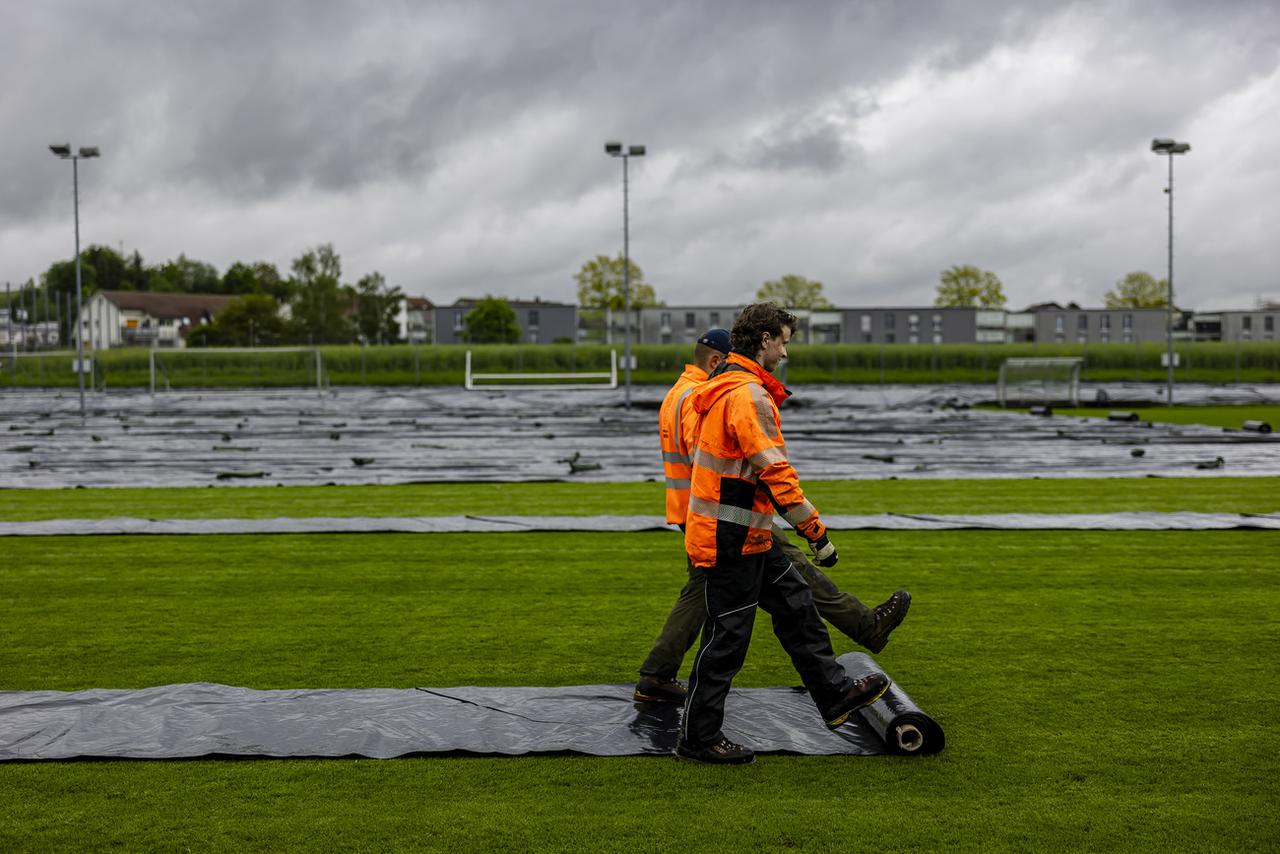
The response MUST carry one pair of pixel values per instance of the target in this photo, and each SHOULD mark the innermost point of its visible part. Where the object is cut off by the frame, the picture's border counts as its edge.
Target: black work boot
(861, 692)
(889, 615)
(655, 689)
(723, 752)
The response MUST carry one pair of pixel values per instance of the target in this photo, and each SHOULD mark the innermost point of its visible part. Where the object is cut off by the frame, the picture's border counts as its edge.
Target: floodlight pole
(1168, 148)
(64, 152)
(615, 149)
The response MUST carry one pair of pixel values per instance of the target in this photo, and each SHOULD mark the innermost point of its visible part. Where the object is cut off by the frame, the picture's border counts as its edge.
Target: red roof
(167, 305)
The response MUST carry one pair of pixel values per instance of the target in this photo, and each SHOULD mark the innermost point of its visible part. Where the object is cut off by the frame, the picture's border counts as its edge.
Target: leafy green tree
(793, 292)
(250, 320)
(965, 285)
(1139, 290)
(110, 271)
(377, 306)
(319, 304)
(257, 278)
(492, 321)
(600, 284)
(185, 276)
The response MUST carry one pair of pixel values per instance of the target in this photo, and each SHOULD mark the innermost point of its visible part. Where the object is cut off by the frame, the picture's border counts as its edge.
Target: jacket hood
(735, 372)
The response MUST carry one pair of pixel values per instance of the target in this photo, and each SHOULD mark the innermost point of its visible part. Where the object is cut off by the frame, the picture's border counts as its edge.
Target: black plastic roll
(1257, 427)
(903, 726)
(1040, 410)
(1122, 416)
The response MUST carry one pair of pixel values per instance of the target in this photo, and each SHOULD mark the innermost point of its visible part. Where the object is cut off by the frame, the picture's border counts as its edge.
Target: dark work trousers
(680, 631)
(733, 589)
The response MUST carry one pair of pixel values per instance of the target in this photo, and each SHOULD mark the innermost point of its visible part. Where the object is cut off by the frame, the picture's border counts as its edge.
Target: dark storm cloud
(869, 144)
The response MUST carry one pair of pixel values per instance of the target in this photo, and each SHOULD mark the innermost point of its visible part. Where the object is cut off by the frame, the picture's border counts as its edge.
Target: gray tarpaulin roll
(1135, 521)
(202, 719)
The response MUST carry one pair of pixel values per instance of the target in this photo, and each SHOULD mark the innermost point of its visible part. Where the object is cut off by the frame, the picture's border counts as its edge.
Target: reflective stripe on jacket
(740, 472)
(675, 454)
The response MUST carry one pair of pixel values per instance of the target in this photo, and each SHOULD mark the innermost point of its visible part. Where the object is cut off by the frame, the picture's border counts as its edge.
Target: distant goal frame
(1070, 386)
(610, 377)
(217, 351)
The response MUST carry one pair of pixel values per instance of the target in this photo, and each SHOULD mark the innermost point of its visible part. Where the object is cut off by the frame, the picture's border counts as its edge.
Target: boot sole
(836, 723)
(878, 644)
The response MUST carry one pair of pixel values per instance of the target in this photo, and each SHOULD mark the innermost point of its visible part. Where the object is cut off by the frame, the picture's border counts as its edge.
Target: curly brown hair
(755, 320)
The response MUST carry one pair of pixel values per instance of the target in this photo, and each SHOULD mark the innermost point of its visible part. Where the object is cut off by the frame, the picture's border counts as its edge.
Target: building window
(1126, 322)
(866, 324)
(1269, 323)
(715, 318)
(533, 317)
(457, 321)
(1059, 324)
(914, 338)
(888, 320)
(937, 323)
(1104, 323)
(1082, 322)
(937, 338)
(1246, 323)
(888, 338)
(690, 320)
(666, 318)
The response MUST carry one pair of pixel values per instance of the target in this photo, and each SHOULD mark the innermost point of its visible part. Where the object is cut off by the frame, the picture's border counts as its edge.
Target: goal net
(1040, 381)
(236, 367)
(510, 380)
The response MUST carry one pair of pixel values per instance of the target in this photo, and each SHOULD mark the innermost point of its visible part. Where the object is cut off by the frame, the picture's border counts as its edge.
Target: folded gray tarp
(202, 719)
(1136, 521)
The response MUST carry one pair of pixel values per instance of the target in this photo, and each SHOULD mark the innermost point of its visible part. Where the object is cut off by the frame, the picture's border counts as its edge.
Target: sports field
(1099, 690)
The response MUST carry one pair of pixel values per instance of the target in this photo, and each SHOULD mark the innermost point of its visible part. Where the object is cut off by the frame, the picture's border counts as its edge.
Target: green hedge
(656, 364)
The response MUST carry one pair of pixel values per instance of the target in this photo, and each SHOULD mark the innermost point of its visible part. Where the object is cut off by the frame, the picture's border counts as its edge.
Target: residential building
(933, 325)
(1258, 324)
(1071, 324)
(540, 321)
(416, 320)
(139, 318)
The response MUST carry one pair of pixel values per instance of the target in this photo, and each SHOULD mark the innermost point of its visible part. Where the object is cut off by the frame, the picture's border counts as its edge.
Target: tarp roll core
(900, 723)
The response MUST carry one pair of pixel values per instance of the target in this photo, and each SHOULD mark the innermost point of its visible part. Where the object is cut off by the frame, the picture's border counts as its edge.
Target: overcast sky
(457, 148)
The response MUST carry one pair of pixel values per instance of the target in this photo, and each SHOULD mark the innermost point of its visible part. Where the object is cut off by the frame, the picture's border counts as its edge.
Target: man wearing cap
(869, 627)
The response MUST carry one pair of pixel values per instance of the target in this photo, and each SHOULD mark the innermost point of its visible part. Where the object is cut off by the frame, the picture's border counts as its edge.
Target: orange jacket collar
(776, 389)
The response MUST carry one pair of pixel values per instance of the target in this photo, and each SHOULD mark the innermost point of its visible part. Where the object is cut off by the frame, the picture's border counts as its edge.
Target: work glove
(824, 553)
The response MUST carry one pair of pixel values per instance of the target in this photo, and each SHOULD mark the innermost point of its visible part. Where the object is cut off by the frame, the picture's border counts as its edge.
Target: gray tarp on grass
(1130, 521)
(202, 719)
(404, 435)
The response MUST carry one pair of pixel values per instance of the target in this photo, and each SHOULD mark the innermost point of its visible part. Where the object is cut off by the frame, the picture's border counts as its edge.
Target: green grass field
(1214, 416)
(1099, 690)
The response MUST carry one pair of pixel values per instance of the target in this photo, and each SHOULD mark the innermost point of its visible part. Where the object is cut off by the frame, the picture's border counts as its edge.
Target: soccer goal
(1046, 381)
(531, 379)
(43, 367)
(236, 367)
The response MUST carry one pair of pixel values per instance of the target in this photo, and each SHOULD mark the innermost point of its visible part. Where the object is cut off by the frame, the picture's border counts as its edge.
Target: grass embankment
(655, 364)
(1086, 495)
(1100, 691)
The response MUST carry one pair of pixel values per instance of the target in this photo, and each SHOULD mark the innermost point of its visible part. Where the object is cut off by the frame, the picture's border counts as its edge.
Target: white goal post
(257, 358)
(1047, 380)
(502, 381)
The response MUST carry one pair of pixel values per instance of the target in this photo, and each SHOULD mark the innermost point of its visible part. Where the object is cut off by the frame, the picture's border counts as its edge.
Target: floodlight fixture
(63, 151)
(1165, 147)
(614, 148)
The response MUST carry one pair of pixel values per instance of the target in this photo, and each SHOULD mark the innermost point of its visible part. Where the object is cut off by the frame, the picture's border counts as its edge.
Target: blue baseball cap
(716, 339)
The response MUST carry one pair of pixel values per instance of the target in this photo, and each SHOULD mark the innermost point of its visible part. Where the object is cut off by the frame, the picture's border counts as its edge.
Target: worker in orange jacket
(740, 475)
(869, 627)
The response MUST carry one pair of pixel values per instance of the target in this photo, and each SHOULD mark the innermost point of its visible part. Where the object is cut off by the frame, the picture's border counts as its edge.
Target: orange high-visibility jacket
(675, 453)
(740, 472)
